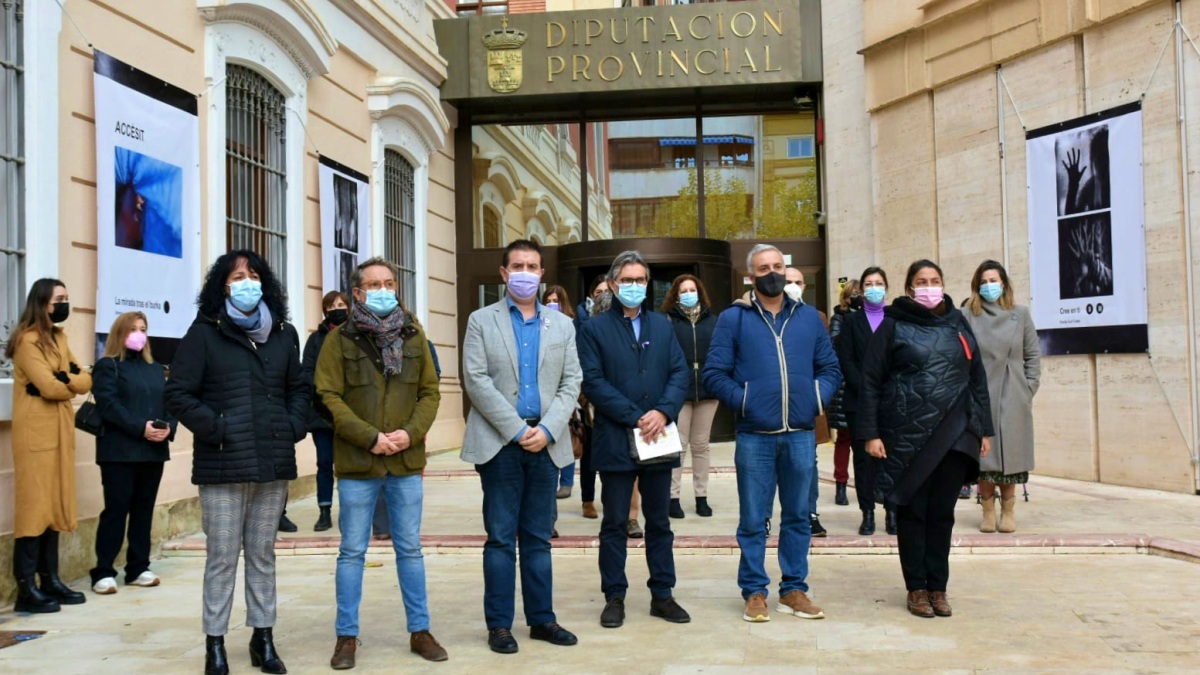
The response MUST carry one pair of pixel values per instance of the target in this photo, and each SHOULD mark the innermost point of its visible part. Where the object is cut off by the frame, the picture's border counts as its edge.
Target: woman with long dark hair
(46, 377)
(335, 310)
(131, 452)
(236, 384)
(924, 411)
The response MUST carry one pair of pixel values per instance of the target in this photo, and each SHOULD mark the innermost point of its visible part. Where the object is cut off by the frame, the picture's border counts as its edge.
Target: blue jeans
(323, 439)
(813, 492)
(763, 462)
(566, 477)
(518, 511)
(356, 506)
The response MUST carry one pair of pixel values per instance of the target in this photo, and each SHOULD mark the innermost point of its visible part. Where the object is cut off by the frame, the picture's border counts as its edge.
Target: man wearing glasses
(636, 377)
(376, 375)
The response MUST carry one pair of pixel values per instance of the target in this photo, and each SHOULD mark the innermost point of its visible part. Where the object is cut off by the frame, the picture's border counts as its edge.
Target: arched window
(492, 235)
(399, 230)
(256, 167)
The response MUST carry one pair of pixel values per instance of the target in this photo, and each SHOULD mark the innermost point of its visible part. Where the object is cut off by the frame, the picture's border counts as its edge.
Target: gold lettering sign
(504, 58)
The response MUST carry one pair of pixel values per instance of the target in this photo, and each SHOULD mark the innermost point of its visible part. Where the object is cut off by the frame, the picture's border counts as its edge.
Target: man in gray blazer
(521, 372)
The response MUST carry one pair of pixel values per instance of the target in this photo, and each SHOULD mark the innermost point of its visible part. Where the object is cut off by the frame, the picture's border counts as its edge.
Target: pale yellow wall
(447, 431)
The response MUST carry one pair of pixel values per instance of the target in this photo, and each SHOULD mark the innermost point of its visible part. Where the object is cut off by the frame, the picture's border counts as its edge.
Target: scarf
(692, 313)
(386, 331)
(257, 325)
(874, 314)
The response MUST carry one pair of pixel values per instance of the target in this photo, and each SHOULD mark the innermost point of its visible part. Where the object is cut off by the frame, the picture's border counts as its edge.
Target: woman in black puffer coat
(849, 301)
(236, 385)
(924, 412)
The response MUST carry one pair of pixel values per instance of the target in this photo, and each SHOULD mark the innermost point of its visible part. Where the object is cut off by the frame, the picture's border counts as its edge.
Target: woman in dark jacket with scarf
(131, 452)
(924, 412)
(690, 311)
(236, 385)
(335, 308)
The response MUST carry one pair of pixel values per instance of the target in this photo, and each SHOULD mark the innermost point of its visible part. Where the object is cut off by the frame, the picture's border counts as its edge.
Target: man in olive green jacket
(376, 375)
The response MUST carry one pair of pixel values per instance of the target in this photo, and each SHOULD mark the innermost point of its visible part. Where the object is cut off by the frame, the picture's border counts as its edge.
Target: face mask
(631, 295)
(928, 297)
(689, 299)
(856, 302)
(382, 302)
(553, 305)
(991, 291)
(523, 285)
(875, 294)
(794, 291)
(136, 340)
(245, 294)
(589, 304)
(60, 312)
(770, 284)
(337, 317)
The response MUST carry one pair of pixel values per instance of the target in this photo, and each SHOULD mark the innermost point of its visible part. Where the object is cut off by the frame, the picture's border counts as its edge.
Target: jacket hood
(747, 301)
(906, 309)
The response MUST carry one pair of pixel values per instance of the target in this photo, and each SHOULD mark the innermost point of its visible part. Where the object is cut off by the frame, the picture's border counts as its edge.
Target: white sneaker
(106, 586)
(146, 579)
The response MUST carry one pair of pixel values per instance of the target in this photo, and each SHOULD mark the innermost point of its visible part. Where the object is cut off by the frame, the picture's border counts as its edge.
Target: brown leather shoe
(940, 606)
(343, 653)
(918, 604)
(589, 510)
(798, 605)
(423, 643)
(756, 609)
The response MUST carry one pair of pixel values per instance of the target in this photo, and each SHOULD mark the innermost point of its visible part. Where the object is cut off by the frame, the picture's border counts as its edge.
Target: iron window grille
(12, 171)
(399, 223)
(256, 167)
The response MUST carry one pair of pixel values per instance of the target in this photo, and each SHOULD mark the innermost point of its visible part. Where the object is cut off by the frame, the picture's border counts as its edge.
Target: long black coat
(836, 411)
(246, 404)
(851, 345)
(128, 394)
(694, 340)
(319, 417)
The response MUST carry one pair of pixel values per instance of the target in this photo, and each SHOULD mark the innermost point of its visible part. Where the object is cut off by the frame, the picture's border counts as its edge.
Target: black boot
(25, 562)
(868, 523)
(676, 510)
(286, 524)
(47, 564)
(890, 521)
(702, 508)
(215, 661)
(817, 530)
(262, 652)
(840, 497)
(324, 521)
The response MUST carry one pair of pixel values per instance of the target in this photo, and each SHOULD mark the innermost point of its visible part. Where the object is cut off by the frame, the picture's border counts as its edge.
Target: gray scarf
(257, 325)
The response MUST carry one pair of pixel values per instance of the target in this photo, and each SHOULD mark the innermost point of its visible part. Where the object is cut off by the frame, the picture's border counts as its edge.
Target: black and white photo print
(345, 214)
(1085, 256)
(346, 263)
(1084, 182)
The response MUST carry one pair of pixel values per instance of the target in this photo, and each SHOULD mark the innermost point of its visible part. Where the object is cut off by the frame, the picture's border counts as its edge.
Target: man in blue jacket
(772, 363)
(635, 376)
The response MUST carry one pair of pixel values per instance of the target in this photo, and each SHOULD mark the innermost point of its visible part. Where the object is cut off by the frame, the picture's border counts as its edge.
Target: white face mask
(794, 292)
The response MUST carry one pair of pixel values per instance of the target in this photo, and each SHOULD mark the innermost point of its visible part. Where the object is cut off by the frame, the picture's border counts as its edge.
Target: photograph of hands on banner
(148, 203)
(1085, 255)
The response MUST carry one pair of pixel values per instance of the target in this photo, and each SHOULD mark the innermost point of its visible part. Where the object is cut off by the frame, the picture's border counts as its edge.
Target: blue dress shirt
(528, 334)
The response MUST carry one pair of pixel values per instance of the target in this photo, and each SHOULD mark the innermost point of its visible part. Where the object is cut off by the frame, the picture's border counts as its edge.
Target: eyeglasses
(627, 281)
(377, 285)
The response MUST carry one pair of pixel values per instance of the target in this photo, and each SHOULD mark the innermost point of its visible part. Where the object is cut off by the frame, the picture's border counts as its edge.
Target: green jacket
(350, 381)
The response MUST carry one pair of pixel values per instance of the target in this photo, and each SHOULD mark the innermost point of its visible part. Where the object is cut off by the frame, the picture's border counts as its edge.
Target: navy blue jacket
(128, 394)
(625, 377)
(749, 370)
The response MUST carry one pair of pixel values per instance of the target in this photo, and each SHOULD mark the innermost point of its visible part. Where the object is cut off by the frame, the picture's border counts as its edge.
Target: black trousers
(864, 471)
(130, 490)
(926, 523)
(654, 484)
(587, 475)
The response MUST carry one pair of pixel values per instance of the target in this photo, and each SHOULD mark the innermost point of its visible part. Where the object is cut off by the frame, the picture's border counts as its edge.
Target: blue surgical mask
(553, 305)
(245, 294)
(689, 298)
(631, 295)
(382, 302)
(991, 291)
(875, 294)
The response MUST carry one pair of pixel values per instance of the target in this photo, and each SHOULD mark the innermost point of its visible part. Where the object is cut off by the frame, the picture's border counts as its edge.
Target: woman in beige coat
(46, 377)
(1009, 345)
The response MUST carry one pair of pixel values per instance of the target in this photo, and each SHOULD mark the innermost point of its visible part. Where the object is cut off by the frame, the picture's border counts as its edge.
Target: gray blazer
(491, 378)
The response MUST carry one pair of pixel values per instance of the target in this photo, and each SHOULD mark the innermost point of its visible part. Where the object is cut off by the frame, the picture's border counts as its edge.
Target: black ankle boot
(868, 524)
(840, 496)
(32, 600)
(702, 508)
(324, 521)
(262, 652)
(676, 509)
(890, 521)
(215, 661)
(51, 585)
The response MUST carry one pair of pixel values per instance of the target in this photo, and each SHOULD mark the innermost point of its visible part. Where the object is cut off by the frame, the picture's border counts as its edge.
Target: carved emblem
(504, 57)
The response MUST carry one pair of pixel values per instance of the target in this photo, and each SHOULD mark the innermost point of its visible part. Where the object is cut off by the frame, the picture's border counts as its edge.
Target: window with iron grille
(399, 223)
(12, 171)
(255, 167)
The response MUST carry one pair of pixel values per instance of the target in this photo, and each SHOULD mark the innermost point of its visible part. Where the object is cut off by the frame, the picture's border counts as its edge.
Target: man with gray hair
(635, 376)
(772, 363)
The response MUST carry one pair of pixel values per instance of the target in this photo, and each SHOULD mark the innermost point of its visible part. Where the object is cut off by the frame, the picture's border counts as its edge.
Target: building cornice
(419, 52)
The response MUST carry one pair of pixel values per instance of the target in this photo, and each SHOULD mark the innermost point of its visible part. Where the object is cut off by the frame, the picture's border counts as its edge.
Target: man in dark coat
(635, 376)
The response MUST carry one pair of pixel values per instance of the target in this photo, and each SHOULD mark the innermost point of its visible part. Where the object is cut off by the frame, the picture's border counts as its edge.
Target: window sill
(6, 390)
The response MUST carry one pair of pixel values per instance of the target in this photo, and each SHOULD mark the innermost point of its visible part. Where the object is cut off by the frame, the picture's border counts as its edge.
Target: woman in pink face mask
(924, 412)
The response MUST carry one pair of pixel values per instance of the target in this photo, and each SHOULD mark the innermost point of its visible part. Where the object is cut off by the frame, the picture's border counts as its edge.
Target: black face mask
(60, 312)
(771, 284)
(856, 302)
(337, 317)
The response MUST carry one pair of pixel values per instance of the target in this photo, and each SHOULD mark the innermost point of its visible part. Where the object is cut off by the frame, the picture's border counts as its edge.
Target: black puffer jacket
(694, 340)
(128, 394)
(245, 403)
(836, 412)
(917, 367)
(319, 417)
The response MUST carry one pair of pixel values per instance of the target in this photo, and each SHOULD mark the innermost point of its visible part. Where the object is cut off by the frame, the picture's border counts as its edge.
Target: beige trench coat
(1008, 343)
(43, 433)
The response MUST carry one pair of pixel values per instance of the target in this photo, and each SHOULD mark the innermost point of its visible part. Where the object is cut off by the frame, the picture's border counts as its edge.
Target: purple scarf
(874, 314)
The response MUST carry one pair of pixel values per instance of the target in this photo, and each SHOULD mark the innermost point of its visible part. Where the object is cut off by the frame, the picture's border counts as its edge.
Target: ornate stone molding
(309, 49)
(412, 102)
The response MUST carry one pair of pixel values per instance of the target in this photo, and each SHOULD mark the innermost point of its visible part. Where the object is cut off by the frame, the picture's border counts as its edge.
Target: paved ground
(1110, 609)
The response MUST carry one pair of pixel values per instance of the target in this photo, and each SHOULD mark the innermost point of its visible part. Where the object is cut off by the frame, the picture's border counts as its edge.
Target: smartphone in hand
(159, 424)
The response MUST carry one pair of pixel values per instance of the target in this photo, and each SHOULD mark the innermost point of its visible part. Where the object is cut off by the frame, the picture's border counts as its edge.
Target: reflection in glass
(652, 174)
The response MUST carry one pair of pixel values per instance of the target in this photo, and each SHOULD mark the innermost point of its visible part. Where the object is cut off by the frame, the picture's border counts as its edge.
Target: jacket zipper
(696, 360)
(782, 360)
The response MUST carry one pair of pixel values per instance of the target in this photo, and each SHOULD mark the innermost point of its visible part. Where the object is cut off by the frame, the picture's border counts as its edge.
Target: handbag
(88, 418)
(576, 427)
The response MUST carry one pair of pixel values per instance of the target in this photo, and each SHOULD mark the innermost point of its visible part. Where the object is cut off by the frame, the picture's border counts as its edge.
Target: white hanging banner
(148, 202)
(345, 223)
(1087, 234)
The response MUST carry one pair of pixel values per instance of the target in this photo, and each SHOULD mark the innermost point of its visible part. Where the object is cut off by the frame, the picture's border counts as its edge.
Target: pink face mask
(136, 340)
(928, 297)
